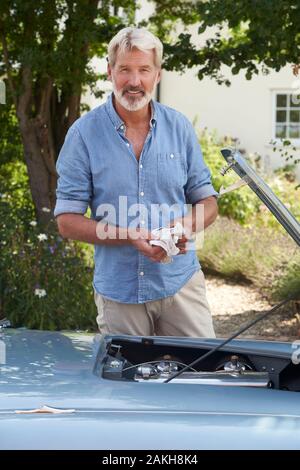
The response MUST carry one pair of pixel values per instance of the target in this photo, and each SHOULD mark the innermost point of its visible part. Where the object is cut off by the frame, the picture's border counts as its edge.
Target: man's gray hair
(128, 38)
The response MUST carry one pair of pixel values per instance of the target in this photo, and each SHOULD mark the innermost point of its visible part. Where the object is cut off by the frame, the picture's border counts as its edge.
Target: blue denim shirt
(97, 165)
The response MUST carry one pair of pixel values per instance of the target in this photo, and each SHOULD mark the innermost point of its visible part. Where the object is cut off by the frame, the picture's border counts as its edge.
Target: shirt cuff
(64, 206)
(201, 193)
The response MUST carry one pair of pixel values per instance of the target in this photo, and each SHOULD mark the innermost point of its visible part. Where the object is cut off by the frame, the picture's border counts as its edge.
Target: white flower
(42, 237)
(40, 293)
(14, 252)
(46, 209)
(33, 223)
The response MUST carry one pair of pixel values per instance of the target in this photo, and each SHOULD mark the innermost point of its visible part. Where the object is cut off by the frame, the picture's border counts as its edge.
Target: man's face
(134, 77)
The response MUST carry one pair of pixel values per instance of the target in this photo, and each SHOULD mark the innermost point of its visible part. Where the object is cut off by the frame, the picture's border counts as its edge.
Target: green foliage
(289, 153)
(239, 205)
(287, 193)
(289, 283)
(243, 205)
(46, 48)
(286, 150)
(55, 38)
(287, 172)
(245, 254)
(249, 35)
(45, 281)
(242, 253)
(11, 145)
(46, 52)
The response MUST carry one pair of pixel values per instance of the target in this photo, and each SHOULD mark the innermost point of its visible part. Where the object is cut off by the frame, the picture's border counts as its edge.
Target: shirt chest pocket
(171, 170)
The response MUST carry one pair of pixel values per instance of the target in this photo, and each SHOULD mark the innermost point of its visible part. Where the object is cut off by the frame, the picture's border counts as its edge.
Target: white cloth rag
(167, 238)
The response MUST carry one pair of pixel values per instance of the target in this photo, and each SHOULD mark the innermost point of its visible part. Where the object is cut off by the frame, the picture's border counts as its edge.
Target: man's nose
(135, 80)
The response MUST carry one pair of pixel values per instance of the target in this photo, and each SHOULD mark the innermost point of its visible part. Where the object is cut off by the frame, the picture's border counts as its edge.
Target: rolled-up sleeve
(74, 186)
(199, 185)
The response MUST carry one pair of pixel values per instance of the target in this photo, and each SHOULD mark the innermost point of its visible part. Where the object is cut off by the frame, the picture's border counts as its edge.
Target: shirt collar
(117, 121)
(153, 118)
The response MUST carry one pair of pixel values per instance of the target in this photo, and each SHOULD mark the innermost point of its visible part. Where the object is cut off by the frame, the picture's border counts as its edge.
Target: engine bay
(140, 359)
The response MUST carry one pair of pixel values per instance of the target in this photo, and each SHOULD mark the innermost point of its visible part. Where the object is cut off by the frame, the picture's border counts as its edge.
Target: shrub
(238, 205)
(45, 281)
(11, 145)
(243, 205)
(288, 284)
(245, 254)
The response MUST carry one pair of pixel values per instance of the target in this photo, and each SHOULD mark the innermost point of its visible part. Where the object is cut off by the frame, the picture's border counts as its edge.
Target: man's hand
(203, 214)
(140, 238)
(181, 244)
(188, 233)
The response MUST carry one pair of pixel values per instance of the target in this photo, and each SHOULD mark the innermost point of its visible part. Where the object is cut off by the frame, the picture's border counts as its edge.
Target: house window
(287, 116)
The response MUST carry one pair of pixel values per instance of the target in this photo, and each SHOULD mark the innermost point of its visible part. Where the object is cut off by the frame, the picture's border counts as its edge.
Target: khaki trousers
(186, 313)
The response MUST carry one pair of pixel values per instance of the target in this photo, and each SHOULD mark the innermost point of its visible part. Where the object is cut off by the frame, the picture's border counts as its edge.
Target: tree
(250, 35)
(46, 47)
(45, 50)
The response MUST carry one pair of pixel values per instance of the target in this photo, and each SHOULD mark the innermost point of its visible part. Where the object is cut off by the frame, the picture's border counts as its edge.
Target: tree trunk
(38, 146)
(41, 168)
(42, 139)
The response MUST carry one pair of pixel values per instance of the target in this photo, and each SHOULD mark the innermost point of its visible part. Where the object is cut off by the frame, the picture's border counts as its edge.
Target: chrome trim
(222, 378)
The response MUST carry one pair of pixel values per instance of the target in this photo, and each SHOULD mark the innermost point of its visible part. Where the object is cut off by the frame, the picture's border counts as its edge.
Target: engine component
(225, 378)
(167, 367)
(147, 372)
(234, 363)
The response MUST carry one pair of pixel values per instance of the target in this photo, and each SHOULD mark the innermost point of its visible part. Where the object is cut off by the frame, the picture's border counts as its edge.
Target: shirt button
(142, 193)
(128, 144)
(172, 155)
(142, 273)
(141, 166)
(142, 222)
(122, 127)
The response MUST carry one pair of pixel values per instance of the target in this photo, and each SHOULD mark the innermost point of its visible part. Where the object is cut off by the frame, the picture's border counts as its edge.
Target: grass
(260, 256)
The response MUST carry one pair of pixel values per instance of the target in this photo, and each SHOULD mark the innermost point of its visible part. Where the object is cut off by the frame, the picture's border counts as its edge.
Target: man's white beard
(133, 103)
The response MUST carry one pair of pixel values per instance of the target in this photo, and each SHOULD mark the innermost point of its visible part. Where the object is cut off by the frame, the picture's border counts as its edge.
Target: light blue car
(61, 390)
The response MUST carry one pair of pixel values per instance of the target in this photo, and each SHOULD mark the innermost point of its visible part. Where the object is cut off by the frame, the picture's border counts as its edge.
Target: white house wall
(244, 110)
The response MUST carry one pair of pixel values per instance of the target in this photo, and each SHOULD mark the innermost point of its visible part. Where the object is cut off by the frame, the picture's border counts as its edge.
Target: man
(135, 152)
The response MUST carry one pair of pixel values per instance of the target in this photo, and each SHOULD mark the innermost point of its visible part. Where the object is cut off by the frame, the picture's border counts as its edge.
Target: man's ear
(108, 72)
(158, 76)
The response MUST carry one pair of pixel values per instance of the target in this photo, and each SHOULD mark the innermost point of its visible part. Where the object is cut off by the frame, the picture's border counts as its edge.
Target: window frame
(287, 91)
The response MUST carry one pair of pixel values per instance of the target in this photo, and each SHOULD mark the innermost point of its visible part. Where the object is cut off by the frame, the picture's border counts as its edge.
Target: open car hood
(262, 190)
